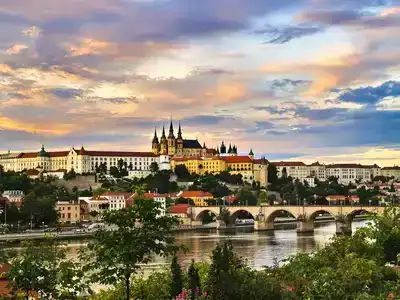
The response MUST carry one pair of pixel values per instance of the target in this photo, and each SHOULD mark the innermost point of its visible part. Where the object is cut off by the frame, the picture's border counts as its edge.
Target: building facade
(68, 212)
(251, 169)
(81, 161)
(294, 169)
(391, 172)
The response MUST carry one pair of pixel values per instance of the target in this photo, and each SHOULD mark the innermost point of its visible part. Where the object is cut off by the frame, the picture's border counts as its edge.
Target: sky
(292, 79)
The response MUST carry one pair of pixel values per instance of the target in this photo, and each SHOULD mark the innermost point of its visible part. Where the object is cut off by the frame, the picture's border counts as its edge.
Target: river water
(258, 248)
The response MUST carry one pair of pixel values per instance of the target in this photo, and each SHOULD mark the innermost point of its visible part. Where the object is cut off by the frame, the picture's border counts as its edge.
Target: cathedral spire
(155, 138)
(171, 130)
(179, 131)
(163, 132)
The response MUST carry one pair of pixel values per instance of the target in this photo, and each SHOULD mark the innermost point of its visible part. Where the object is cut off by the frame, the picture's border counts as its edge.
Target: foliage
(39, 210)
(225, 216)
(154, 167)
(176, 277)
(246, 197)
(182, 172)
(43, 269)
(193, 279)
(130, 237)
(70, 175)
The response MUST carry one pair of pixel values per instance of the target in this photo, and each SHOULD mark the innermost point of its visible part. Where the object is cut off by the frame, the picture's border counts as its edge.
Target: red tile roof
(237, 159)
(32, 172)
(260, 161)
(51, 154)
(195, 194)
(348, 166)
(335, 197)
(120, 154)
(289, 164)
(230, 198)
(179, 209)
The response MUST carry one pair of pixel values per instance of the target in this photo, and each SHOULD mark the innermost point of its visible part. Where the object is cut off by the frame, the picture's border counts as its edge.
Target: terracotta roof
(59, 171)
(195, 194)
(237, 159)
(179, 209)
(289, 164)
(316, 164)
(349, 166)
(212, 151)
(354, 198)
(391, 168)
(120, 154)
(230, 198)
(260, 161)
(32, 172)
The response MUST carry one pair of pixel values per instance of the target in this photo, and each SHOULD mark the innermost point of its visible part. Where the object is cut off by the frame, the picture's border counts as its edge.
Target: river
(258, 248)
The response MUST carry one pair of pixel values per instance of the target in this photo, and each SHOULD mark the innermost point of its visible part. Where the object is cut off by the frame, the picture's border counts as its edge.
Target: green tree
(194, 280)
(115, 172)
(154, 167)
(182, 172)
(129, 238)
(271, 199)
(176, 278)
(43, 269)
(246, 197)
(262, 197)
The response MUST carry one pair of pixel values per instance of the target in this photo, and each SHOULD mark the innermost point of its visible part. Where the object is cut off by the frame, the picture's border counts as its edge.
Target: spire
(171, 130)
(180, 131)
(204, 145)
(230, 148)
(155, 138)
(223, 148)
(163, 132)
(251, 153)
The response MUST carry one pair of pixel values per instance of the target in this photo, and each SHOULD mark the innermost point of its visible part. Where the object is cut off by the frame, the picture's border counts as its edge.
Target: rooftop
(179, 209)
(195, 194)
(237, 159)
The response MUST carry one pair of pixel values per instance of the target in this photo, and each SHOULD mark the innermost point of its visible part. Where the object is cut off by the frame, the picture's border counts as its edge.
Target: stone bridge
(264, 216)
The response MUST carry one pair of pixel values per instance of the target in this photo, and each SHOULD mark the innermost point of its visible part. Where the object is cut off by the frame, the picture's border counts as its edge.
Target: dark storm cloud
(370, 94)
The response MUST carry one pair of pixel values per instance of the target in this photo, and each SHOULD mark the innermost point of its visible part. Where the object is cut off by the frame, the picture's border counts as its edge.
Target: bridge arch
(318, 212)
(242, 212)
(279, 212)
(199, 212)
(357, 212)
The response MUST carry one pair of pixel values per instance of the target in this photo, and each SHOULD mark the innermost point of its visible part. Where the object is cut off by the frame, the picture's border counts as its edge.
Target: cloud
(286, 34)
(371, 94)
(15, 49)
(65, 93)
(33, 32)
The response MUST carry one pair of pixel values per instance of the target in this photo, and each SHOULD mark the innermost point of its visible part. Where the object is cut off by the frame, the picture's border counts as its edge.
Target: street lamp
(370, 202)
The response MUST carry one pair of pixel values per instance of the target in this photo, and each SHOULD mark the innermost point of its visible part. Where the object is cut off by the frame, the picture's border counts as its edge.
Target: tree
(70, 175)
(271, 199)
(114, 172)
(120, 164)
(246, 197)
(272, 173)
(182, 172)
(129, 239)
(176, 278)
(154, 167)
(194, 284)
(44, 270)
(262, 197)
(284, 172)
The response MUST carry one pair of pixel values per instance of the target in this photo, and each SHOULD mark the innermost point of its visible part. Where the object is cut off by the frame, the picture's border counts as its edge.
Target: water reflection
(258, 248)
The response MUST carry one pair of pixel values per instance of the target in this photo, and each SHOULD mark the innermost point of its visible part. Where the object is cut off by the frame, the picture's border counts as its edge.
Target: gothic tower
(223, 148)
(155, 145)
(179, 142)
(163, 143)
(171, 140)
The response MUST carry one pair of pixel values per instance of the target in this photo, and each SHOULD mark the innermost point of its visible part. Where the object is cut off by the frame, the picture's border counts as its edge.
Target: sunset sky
(293, 79)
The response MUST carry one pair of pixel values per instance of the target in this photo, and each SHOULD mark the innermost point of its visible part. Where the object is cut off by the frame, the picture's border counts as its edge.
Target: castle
(183, 147)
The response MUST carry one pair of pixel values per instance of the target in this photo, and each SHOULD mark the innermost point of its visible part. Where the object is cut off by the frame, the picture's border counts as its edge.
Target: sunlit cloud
(15, 49)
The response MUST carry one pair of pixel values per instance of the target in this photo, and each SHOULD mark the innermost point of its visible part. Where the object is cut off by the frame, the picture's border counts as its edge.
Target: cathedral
(177, 146)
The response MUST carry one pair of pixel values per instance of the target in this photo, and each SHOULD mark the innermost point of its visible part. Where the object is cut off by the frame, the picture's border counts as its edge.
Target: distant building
(14, 196)
(116, 200)
(69, 212)
(294, 169)
(310, 180)
(199, 197)
(349, 173)
(391, 172)
(336, 199)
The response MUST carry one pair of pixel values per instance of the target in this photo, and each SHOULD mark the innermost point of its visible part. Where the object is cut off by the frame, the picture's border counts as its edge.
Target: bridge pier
(221, 225)
(305, 226)
(343, 227)
(263, 225)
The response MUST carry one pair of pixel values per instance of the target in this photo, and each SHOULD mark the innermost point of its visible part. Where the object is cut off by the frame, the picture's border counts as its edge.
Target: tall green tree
(176, 277)
(194, 281)
(154, 167)
(131, 236)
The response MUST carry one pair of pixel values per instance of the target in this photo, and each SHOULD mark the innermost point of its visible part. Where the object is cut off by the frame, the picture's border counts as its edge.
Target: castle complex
(177, 146)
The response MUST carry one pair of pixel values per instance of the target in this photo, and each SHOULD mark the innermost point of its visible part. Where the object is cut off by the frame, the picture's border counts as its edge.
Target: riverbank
(17, 238)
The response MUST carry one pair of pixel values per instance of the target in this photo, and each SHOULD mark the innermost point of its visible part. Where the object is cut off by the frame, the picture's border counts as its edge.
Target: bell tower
(179, 142)
(163, 143)
(171, 140)
(155, 145)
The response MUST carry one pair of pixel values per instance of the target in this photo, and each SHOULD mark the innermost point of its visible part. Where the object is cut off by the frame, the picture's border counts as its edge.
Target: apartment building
(294, 169)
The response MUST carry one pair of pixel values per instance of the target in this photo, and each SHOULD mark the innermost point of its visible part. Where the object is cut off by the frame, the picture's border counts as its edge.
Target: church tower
(179, 142)
(163, 143)
(223, 148)
(171, 140)
(155, 145)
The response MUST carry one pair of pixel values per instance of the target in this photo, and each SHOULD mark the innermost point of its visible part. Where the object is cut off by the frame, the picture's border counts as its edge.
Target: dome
(43, 153)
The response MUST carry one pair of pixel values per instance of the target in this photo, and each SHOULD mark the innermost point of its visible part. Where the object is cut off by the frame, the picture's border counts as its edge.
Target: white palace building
(81, 161)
